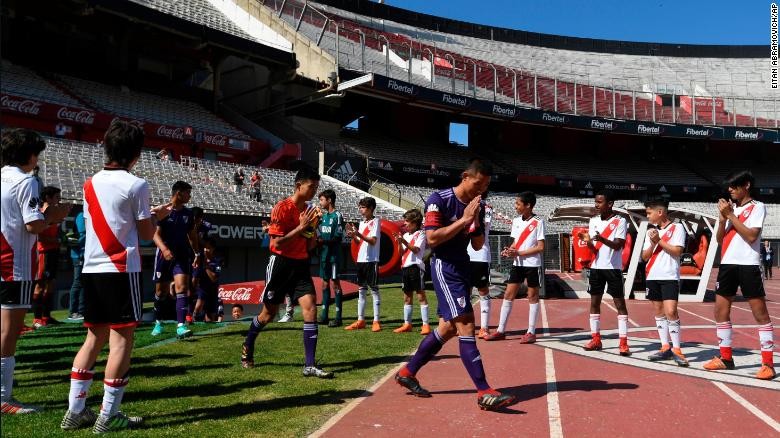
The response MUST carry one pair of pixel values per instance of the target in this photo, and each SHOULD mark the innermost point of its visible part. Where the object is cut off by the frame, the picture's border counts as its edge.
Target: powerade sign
(233, 230)
(506, 111)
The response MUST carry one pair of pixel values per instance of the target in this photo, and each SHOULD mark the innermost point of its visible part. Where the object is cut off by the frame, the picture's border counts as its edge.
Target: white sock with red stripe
(662, 324)
(506, 309)
(407, 313)
(533, 314)
(766, 336)
(424, 313)
(376, 302)
(7, 365)
(674, 332)
(80, 381)
(595, 323)
(362, 304)
(113, 390)
(622, 327)
(723, 330)
(484, 311)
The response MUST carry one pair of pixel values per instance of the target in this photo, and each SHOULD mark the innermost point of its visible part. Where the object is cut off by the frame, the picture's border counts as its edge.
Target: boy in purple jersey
(177, 240)
(454, 218)
(208, 282)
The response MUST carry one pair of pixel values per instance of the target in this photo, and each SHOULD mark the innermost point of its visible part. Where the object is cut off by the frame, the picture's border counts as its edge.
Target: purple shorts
(165, 270)
(451, 281)
(209, 297)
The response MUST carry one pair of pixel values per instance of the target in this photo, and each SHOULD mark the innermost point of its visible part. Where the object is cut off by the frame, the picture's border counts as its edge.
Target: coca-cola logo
(215, 139)
(24, 106)
(170, 132)
(79, 116)
(240, 294)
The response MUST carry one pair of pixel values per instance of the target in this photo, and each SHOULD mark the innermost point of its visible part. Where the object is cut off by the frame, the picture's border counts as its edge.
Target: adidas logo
(344, 172)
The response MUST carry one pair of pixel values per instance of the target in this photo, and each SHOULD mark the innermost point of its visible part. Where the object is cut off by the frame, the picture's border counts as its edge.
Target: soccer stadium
(200, 198)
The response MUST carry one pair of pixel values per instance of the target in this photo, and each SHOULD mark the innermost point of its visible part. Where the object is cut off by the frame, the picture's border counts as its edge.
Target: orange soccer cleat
(767, 372)
(376, 327)
(717, 363)
(406, 327)
(483, 333)
(594, 344)
(357, 325)
(425, 330)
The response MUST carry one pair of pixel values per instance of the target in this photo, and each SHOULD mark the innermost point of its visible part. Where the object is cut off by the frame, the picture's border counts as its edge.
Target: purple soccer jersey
(175, 229)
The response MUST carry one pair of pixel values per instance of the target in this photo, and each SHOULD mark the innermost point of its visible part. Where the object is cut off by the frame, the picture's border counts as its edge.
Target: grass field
(197, 386)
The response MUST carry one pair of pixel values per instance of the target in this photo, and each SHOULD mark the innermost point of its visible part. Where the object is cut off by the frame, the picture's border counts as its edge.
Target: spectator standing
(767, 259)
(238, 180)
(255, 183)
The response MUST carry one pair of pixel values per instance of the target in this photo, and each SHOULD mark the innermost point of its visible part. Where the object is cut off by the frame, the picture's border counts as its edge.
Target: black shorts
(48, 262)
(480, 274)
(413, 279)
(286, 276)
(16, 294)
(612, 278)
(530, 274)
(368, 274)
(112, 298)
(745, 277)
(662, 290)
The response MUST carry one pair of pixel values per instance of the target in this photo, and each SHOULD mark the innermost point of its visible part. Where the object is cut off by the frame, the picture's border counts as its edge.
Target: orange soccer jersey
(285, 218)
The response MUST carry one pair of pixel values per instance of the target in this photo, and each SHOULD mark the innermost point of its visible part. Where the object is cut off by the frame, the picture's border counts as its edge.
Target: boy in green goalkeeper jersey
(331, 233)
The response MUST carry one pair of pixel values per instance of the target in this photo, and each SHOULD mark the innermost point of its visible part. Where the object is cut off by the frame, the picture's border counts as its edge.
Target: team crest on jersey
(185, 218)
(462, 301)
(158, 274)
(432, 208)
(270, 294)
(531, 227)
(746, 213)
(612, 226)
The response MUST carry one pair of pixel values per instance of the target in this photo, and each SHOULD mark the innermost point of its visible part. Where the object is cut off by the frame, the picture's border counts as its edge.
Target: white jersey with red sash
(483, 255)
(369, 253)
(417, 240)
(662, 265)
(18, 255)
(114, 199)
(735, 250)
(614, 227)
(527, 234)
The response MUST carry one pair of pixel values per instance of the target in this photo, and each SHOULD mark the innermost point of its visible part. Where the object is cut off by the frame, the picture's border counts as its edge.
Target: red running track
(594, 396)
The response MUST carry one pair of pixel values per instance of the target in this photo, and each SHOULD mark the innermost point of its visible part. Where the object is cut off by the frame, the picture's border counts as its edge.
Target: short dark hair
(477, 166)
(414, 216)
(739, 179)
(180, 186)
(209, 240)
(306, 173)
(122, 142)
(19, 145)
(197, 212)
(329, 194)
(608, 195)
(527, 197)
(368, 202)
(239, 306)
(49, 191)
(657, 202)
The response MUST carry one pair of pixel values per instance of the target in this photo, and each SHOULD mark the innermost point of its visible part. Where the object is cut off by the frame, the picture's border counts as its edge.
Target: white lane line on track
(749, 406)
(695, 314)
(631, 321)
(750, 311)
(553, 405)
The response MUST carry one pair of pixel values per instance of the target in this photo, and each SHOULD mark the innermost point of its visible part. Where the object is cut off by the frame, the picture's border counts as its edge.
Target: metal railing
(400, 57)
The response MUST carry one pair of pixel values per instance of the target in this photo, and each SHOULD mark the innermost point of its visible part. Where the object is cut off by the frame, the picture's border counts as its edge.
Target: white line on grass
(749, 406)
(553, 405)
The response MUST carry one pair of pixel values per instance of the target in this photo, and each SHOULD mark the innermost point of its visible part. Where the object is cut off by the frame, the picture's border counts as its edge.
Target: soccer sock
(424, 313)
(7, 365)
(506, 309)
(662, 325)
(157, 311)
(428, 348)
(37, 306)
(80, 381)
(376, 302)
(484, 311)
(674, 333)
(407, 313)
(310, 330)
(595, 324)
(251, 335)
(469, 355)
(533, 314)
(181, 308)
(765, 335)
(361, 304)
(339, 296)
(46, 304)
(723, 330)
(288, 305)
(113, 390)
(623, 328)
(325, 303)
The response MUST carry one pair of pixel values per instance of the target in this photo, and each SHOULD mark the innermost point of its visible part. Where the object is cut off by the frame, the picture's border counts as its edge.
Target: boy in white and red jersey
(20, 223)
(368, 237)
(412, 245)
(527, 249)
(605, 237)
(739, 236)
(664, 243)
(116, 215)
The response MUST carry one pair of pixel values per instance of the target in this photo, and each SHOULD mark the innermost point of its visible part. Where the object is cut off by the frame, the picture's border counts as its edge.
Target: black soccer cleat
(247, 359)
(494, 401)
(412, 385)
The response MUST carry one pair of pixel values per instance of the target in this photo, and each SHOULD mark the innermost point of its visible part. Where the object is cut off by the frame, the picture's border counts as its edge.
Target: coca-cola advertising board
(241, 293)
